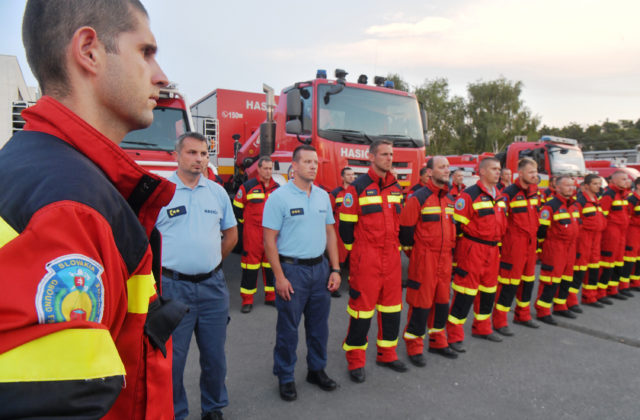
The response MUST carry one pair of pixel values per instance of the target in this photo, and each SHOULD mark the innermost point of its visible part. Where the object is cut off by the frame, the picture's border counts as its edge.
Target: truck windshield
(360, 115)
(168, 124)
(566, 161)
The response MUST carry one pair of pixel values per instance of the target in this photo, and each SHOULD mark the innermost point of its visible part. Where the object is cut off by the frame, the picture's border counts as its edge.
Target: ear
(175, 155)
(86, 50)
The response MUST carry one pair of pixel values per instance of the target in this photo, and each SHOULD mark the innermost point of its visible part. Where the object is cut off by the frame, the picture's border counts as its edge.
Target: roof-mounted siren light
(363, 79)
(341, 75)
(389, 84)
(379, 80)
(321, 74)
(561, 140)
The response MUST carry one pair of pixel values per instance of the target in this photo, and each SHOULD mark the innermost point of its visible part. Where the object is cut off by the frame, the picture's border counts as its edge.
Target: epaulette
(610, 193)
(474, 191)
(422, 194)
(250, 184)
(362, 182)
(336, 191)
(554, 203)
(512, 190)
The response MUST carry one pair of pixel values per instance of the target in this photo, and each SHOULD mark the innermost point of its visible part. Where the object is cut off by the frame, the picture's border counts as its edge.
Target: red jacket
(522, 208)
(81, 322)
(614, 206)
(370, 212)
(248, 204)
(480, 215)
(337, 197)
(634, 208)
(593, 219)
(559, 220)
(455, 190)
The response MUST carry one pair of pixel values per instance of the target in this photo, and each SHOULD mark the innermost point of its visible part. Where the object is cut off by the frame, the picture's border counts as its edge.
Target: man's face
(505, 176)
(424, 177)
(192, 156)
(440, 171)
(620, 181)
(306, 168)
(348, 176)
(566, 187)
(490, 173)
(457, 178)
(383, 158)
(594, 186)
(265, 171)
(528, 175)
(129, 85)
(205, 166)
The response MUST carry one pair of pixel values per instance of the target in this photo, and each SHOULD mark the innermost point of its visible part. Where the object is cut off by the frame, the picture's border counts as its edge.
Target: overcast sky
(579, 60)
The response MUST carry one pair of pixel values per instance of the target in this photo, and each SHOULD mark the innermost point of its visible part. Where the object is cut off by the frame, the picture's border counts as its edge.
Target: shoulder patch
(347, 201)
(239, 193)
(71, 290)
(545, 215)
(460, 204)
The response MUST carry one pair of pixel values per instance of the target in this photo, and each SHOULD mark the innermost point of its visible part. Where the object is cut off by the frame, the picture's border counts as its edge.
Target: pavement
(581, 369)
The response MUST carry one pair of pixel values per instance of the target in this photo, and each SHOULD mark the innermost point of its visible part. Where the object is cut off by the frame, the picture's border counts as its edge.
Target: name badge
(296, 212)
(176, 211)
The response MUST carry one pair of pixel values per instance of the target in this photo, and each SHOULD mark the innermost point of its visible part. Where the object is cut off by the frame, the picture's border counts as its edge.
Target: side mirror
(425, 128)
(276, 165)
(293, 127)
(294, 104)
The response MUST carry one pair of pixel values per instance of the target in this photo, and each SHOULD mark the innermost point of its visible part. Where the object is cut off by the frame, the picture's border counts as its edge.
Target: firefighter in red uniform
(369, 226)
(547, 193)
(614, 206)
(247, 206)
(518, 259)
(480, 213)
(587, 266)
(424, 179)
(337, 196)
(558, 232)
(457, 186)
(632, 250)
(505, 179)
(427, 234)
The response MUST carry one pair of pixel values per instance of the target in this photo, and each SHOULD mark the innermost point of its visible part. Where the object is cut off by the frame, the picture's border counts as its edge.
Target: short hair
(484, 162)
(618, 172)
(345, 169)
(373, 148)
(263, 159)
(504, 170)
(296, 152)
(423, 170)
(48, 27)
(589, 178)
(191, 135)
(526, 161)
(561, 177)
(455, 171)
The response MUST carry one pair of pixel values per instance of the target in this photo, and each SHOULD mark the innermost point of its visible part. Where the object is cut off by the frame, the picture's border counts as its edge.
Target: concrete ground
(582, 369)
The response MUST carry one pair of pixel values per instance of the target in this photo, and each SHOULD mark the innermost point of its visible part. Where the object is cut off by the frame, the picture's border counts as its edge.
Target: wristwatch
(335, 270)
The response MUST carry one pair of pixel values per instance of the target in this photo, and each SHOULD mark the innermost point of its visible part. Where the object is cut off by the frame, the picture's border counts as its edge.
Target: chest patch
(296, 212)
(460, 203)
(371, 192)
(71, 290)
(348, 200)
(176, 211)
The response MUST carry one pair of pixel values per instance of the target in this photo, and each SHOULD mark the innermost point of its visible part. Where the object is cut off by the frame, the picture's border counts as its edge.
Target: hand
(334, 282)
(284, 288)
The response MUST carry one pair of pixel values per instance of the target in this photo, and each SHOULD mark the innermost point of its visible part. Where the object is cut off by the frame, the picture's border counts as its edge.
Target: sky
(579, 60)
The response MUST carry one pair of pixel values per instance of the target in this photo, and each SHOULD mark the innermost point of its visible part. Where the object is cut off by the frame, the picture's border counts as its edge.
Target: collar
(529, 190)
(566, 201)
(389, 179)
(297, 190)
(51, 117)
(444, 189)
(180, 185)
(266, 186)
(486, 190)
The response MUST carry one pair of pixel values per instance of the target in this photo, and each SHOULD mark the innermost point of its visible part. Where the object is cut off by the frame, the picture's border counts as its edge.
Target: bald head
(621, 180)
(438, 170)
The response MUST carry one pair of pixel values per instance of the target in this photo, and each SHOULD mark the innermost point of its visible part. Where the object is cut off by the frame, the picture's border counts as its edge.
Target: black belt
(302, 261)
(193, 278)
(481, 241)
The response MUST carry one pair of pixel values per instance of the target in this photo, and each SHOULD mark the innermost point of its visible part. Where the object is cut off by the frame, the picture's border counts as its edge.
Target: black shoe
(528, 323)
(320, 378)
(246, 308)
(575, 308)
(335, 294)
(396, 365)
(270, 302)
(548, 319)
(458, 347)
(606, 301)
(618, 296)
(357, 375)
(595, 304)
(566, 314)
(626, 293)
(636, 288)
(418, 360)
(506, 331)
(489, 337)
(288, 391)
(445, 352)
(213, 415)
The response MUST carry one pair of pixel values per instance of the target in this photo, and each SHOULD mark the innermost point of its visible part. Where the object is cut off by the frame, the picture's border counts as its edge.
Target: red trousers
(612, 259)
(375, 283)
(517, 275)
(252, 260)
(474, 283)
(428, 286)
(557, 257)
(631, 256)
(562, 301)
(588, 261)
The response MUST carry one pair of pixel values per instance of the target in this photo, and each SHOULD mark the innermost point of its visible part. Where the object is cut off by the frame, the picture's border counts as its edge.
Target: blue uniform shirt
(191, 224)
(300, 219)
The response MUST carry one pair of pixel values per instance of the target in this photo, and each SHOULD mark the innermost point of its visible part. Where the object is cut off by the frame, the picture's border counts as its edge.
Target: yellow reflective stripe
(543, 304)
(248, 291)
(347, 347)
(518, 203)
(449, 210)
(7, 233)
(515, 282)
(522, 304)
(567, 278)
(435, 330)
(634, 277)
(348, 246)
(556, 279)
(575, 214)
(573, 290)
(501, 204)
(545, 279)
(348, 217)
(624, 280)
(629, 259)
(605, 212)
(533, 201)
(238, 204)
(594, 265)
(576, 268)
(487, 289)
(250, 266)
(482, 205)
(394, 199)
(502, 308)
(559, 301)
(464, 290)
(389, 309)
(559, 216)
(588, 210)
(360, 314)
(409, 336)
(266, 264)
(339, 200)
(605, 264)
(240, 220)
(140, 288)
(503, 280)
(66, 355)
(528, 279)
(602, 286)
(460, 219)
(430, 210)
(269, 289)
(255, 196)
(481, 317)
(590, 286)
(387, 343)
(407, 248)
(636, 208)
(617, 203)
(544, 222)
(618, 264)
(452, 319)
(373, 199)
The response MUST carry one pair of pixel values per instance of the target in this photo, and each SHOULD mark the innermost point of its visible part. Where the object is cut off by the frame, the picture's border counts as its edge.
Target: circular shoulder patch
(460, 203)
(348, 200)
(545, 215)
(239, 194)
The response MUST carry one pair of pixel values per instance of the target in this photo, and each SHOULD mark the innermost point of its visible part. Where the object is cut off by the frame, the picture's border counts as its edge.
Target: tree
(399, 83)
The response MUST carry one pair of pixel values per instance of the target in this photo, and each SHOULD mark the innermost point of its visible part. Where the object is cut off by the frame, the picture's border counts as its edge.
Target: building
(15, 96)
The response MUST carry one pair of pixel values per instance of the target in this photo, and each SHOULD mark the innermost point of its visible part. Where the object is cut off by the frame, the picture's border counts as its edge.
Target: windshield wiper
(351, 135)
(401, 136)
(140, 143)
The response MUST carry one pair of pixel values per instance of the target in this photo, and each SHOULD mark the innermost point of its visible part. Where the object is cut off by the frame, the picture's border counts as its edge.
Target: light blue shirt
(300, 219)
(191, 224)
